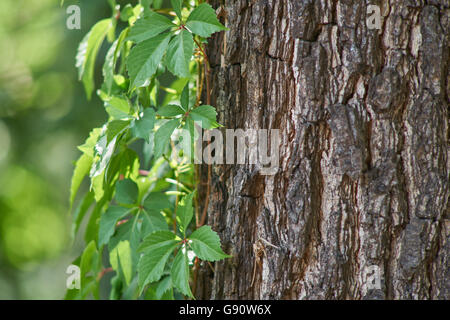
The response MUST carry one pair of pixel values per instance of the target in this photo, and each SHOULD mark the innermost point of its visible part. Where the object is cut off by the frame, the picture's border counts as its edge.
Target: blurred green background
(44, 115)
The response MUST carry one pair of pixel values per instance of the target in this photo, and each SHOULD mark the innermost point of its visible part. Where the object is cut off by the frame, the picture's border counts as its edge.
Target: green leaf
(144, 59)
(185, 212)
(206, 115)
(126, 191)
(176, 5)
(146, 5)
(97, 186)
(153, 221)
(157, 248)
(91, 233)
(87, 53)
(104, 150)
(116, 288)
(117, 108)
(121, 41)
(162, 136)
(203, 21)
(80, 212)
(157, 4)
(112, 3)
(128, 231)
(168, 295)
(82, 167)
(148, 27)
(179, 54)
(88, 146)
(128, 163)
(120, 259)
(157, 239)
(108, 222)
(156, 202)
(188, 148)
(206, 244)
(185, 97)
(115, 128)
(180, 273)
(88, 261)
(144, 125)
(108, 67)
(127, 12)
(163, 287)
(170, 111)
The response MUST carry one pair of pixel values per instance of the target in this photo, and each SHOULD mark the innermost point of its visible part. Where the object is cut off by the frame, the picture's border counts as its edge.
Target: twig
(203, 53)
(208, 187)
(103, 272)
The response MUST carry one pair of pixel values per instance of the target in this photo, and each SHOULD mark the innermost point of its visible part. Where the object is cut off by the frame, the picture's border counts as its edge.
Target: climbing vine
(144, 225)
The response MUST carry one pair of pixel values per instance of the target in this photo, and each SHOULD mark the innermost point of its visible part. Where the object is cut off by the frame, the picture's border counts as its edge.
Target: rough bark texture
(363, 177)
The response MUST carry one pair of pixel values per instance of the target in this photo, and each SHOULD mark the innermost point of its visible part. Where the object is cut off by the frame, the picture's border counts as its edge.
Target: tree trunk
(363, 176)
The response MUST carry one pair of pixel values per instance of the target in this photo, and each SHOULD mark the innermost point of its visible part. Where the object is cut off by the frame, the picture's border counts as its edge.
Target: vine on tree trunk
(142, 182)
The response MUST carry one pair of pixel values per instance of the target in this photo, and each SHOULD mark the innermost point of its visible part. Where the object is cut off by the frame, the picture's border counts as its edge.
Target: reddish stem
(103, 272)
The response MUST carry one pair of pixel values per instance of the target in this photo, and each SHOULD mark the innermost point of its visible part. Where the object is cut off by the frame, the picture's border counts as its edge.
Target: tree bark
(363, 177)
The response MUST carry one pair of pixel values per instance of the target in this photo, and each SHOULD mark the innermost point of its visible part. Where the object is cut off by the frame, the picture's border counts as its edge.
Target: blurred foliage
(43, 117)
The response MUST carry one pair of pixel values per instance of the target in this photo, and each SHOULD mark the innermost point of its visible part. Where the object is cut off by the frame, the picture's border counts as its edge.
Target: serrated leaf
(117, 108)
(87, 53)
(203, 21)
(82, 168)
(206, 115)
(162, 136)
(185, 212)
(120, 259)
(206, 244)
(126, 191)
(157, 248)
(180, 273)
(108, 222)
(179, 54)
(149, 26)
(88, 146)
(168, 295)
(144, 59)
(163, 286)
(176, 5)
(144, 125)
(170, 110)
